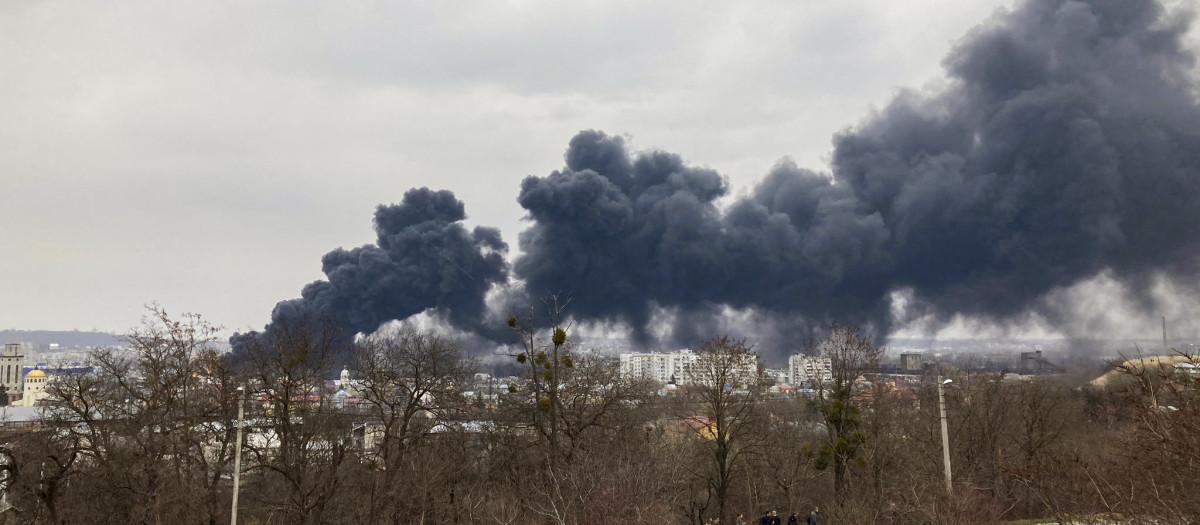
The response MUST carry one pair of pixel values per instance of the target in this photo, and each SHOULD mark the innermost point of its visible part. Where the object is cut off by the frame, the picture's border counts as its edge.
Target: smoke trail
(1065, 145)
(424, 258)
(651, 235)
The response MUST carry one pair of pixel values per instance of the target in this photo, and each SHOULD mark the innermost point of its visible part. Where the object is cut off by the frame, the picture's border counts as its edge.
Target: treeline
(151, 436)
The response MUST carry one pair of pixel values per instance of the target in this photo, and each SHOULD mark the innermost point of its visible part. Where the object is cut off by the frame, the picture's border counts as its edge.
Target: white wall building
(809, 369)
(777, 375)
(666, 367)
(663, 367)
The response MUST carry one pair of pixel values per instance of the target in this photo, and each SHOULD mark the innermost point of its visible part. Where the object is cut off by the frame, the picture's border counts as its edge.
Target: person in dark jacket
(765, 519)
(812, 517)
(792, 519)
(775, 519)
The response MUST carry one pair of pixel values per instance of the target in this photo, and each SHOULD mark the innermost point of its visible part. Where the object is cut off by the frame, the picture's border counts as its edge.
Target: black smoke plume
(424, 258)
(1065, 143)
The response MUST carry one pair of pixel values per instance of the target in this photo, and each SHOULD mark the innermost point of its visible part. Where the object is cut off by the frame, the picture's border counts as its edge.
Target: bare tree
(1162, 447)
(726, 386)
(304, 439)
(147, 435)
(153, 420)
(852, 356)
(545, 363)
(410, 384)
(576, 404)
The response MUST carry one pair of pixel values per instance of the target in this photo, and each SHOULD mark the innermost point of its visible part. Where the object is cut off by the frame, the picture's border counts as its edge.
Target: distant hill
(42, 339)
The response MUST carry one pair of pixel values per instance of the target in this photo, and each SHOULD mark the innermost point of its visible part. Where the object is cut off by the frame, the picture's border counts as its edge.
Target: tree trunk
(840, 481)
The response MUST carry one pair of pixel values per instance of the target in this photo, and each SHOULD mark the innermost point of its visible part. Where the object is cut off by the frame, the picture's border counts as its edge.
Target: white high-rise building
(666, 367)
(810, 369)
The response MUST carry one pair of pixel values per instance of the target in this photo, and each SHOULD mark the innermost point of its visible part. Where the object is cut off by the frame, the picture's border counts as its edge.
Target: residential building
(811, 369)
(664, 367)
(776, 375)
(677, 367)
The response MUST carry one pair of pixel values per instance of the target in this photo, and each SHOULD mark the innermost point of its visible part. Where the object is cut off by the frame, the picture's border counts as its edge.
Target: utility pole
(237, 454)
(945, 433)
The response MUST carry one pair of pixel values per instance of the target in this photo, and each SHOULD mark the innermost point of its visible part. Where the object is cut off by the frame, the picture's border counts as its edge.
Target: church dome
(35, 373)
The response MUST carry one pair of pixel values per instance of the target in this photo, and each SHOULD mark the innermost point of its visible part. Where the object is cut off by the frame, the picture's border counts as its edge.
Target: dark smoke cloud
(1066, 144)
(621, 233)
(653, 237)
(424, 258)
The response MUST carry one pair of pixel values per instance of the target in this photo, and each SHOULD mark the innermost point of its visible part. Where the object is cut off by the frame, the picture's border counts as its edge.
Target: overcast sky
(206, 154)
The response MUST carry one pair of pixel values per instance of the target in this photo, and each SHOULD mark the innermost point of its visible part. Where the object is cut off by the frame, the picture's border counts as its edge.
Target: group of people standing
(772, 518)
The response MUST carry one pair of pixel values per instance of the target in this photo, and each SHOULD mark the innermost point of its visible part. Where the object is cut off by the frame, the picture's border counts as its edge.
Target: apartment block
(809, 369)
